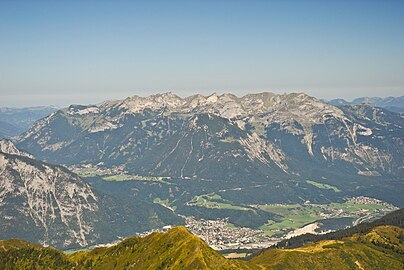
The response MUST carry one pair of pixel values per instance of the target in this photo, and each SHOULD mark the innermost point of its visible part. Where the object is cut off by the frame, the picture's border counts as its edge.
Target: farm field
(322, 186)
(289, 217)
(214, 201)
(128, 177)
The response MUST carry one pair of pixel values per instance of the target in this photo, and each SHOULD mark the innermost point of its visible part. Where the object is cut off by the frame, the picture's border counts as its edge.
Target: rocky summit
(256, 128)
(262, 136)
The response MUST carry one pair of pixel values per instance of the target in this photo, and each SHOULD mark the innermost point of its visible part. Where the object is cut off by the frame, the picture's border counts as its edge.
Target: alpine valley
(261, 168)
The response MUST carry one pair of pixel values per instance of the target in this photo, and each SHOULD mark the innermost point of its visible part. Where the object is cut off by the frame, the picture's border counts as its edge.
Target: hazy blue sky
(62, 52)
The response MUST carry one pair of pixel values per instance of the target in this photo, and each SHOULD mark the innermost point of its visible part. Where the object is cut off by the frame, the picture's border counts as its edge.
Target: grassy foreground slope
(395, 218)
(19, 254)
(381, 248)
(176, 249)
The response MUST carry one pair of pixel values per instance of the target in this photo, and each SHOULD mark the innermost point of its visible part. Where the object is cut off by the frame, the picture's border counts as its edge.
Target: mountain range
(266, 138)
(394, 104)
(132, 165)
(14, 121)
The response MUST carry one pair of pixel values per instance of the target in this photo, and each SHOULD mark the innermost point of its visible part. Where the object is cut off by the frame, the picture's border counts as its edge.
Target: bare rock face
(50, 205)
(271, 132)
(8, 147)
(47, 202)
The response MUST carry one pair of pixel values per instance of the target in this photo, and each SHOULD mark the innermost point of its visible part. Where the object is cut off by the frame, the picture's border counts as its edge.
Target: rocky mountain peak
(325, 132)
(8, 147)
(225, 105)
(136, 103)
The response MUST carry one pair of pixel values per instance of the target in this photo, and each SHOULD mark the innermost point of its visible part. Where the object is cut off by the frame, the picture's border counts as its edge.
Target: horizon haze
(85, 52)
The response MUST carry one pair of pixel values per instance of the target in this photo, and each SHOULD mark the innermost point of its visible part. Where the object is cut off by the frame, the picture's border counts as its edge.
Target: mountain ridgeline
(394, 104)
(14, 121)
(279, 139)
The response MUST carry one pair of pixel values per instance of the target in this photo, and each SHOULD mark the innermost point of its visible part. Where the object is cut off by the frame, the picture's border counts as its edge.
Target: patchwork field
(128, 177)
(289, 217)
(214, 201)
(276, 220)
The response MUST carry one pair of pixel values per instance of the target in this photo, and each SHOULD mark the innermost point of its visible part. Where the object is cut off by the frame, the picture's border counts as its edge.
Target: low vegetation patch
(323, 186)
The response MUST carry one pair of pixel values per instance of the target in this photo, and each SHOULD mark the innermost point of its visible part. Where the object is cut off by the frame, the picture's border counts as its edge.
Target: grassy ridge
(357, 252)
(176, 249)
(395, 218)
(381, 248)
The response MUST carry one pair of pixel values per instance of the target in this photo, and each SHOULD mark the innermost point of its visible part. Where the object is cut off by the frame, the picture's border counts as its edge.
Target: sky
(81, 52)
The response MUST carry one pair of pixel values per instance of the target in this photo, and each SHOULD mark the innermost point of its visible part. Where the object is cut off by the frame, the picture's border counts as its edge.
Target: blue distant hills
(393, 104)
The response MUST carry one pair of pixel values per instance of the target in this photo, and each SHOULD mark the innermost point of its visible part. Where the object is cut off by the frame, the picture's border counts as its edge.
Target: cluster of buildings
(221, 235)
(368, 200)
